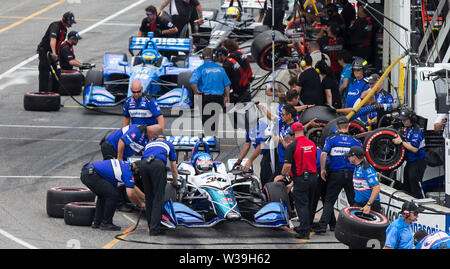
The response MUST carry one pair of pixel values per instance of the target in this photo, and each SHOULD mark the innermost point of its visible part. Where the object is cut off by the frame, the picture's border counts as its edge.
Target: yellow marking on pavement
(127, 232)
(4, 29)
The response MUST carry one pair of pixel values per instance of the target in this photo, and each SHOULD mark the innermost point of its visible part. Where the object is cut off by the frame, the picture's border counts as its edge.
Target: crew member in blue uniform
(436, 240)
(359, 84)
(399, 234)
(211, 81)
(140, 109)
(154, 176)
(127, 141)
(257, 138)
(340, 170)
(413, 140)
(365, 181)
(103, 178)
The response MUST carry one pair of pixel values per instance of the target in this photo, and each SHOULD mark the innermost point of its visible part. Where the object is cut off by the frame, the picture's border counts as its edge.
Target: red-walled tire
(41, 101)
(357, 230)
(58, 197)
(381, 152)
(79, 213)
(261, 49)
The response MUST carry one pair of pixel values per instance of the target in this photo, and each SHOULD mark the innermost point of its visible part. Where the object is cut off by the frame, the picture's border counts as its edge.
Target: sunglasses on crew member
(136, 92)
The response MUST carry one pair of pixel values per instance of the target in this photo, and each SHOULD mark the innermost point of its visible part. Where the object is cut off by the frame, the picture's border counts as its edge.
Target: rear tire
(262, 49)
(79, 213)
(58, 197)
(42, 101)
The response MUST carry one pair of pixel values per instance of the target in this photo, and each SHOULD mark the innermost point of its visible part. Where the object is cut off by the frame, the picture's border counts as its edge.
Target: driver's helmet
(149, 56)
(233, 13)
(203, 162)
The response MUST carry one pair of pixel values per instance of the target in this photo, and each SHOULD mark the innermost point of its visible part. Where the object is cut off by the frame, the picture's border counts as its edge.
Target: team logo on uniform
(133, 135)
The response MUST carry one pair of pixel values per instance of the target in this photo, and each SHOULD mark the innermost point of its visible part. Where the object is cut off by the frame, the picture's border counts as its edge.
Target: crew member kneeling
(300, 164)
(103, 178)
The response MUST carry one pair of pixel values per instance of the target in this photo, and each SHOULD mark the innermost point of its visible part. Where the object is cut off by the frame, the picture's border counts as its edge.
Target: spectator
(348, 12)
(332, 44)
(308, 85)
(329, 84)
(346, 78)
(360, 32)
(315, 53)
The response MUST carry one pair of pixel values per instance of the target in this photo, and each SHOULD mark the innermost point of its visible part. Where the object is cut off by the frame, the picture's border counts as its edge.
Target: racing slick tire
(322, 114)
(70, 83)
(183, 79)
(314, 134)
(93, 77)
(357, 230)
(381, 152)
(276, 192)
(58, 197)
(170, 193)
(42, 101)
(261, 49)
(355, 127)
(79, 213)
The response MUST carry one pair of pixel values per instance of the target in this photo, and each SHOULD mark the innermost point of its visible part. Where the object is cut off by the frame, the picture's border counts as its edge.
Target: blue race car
(208, 195)
(162, 65)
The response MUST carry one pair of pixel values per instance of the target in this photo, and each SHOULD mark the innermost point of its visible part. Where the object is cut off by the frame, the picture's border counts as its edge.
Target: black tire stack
(74, 204)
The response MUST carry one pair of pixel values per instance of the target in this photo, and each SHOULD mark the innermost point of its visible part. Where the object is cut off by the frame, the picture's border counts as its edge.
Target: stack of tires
(360, 231)
(74, 204)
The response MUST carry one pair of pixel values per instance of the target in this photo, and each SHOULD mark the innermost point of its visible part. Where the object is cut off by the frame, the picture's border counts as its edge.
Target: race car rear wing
(185, 145)
(255, 4)
(162, 44)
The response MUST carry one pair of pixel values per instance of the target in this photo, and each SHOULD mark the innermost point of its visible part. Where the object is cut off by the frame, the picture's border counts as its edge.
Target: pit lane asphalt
(40, 150)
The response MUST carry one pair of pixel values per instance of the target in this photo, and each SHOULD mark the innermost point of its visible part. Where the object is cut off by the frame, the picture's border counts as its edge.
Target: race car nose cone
(233, 216)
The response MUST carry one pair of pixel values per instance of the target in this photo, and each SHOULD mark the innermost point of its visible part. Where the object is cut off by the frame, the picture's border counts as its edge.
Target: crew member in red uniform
(50, 43)
(66, 54)
(300, 164)
(238, 69)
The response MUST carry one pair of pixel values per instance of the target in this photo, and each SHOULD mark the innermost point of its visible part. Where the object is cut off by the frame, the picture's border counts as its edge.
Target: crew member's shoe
(109, 227)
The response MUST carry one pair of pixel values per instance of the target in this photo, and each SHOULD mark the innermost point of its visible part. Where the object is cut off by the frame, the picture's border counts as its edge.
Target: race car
(235, 19)
(162, 65)
(209, 194)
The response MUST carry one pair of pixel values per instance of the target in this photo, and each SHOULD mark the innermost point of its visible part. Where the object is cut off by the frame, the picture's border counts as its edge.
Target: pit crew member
(300, 164)
(399, 234)
(154, 176)
(365, 181)
(181, 11)
(340, 169)
(156, 24)
(359, 84)
(436, 240)
(239, 71)
(139, 109)
(413, 139)
(50, 43)
(211, 81)
(103, 178)
(67, 59)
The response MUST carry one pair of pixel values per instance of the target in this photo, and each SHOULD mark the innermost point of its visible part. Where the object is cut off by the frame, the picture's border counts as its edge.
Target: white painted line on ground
(17, 240)
(34, 57)
(62, 177)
